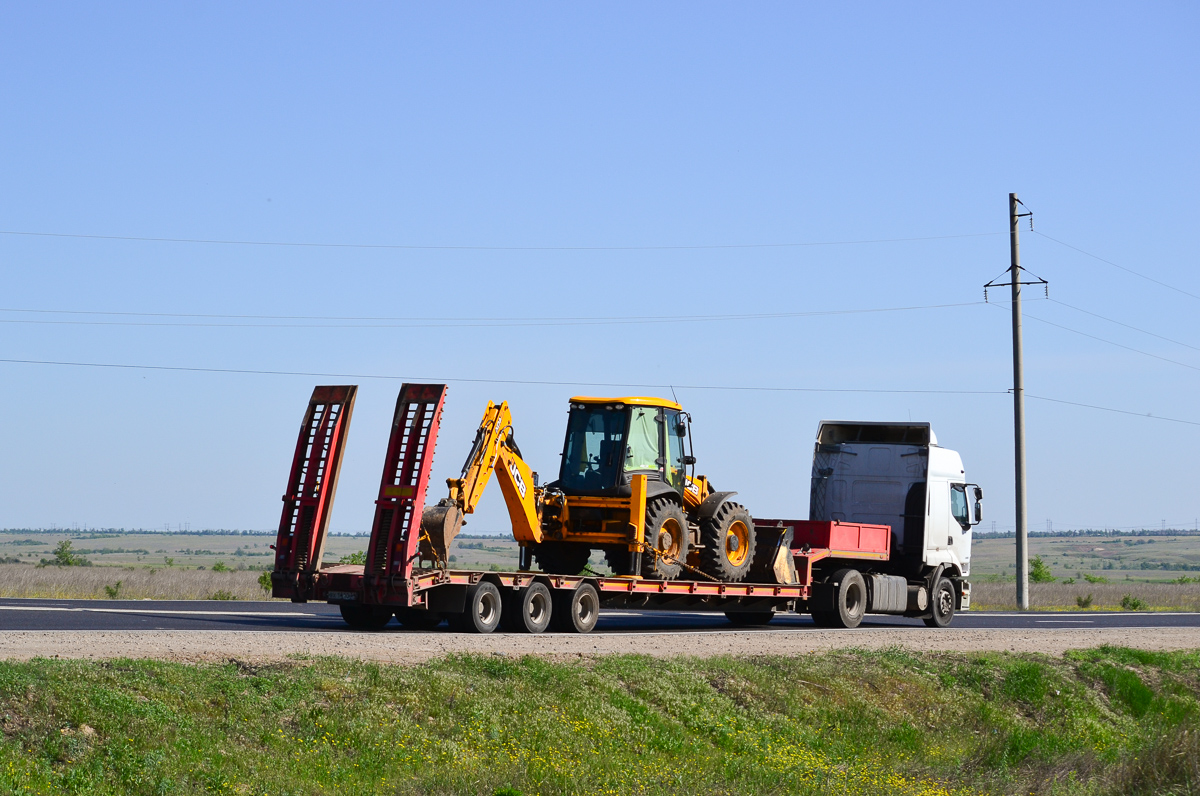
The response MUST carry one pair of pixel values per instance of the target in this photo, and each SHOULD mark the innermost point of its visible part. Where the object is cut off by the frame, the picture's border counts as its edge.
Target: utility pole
(1014, 273)
(1014, 280)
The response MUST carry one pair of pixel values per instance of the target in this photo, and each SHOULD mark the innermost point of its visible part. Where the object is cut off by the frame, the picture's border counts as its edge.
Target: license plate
(345, 596)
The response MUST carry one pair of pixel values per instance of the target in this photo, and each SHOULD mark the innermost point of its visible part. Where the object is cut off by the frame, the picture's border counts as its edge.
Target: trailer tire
(729, 541)
(823, 619)
(749, 618)
(666, 533)
(561, 558)
(576, 611)
(527, 610)
(418, 618)
(941, 604)
(483, 609)
(366, 617)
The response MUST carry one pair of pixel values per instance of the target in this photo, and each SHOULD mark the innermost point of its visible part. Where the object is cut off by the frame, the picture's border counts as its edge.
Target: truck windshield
(594, 449)
(958, 505)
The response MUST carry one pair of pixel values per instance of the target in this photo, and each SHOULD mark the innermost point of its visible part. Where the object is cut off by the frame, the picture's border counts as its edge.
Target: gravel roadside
(410, 647)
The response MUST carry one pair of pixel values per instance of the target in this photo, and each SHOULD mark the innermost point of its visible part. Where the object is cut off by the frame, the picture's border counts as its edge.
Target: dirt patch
(413, 647)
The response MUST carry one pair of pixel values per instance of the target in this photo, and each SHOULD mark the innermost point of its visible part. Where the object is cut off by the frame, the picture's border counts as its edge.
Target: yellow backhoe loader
(625, 486)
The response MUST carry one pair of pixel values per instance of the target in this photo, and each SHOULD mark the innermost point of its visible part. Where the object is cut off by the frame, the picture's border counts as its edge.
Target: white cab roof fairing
(898, 432)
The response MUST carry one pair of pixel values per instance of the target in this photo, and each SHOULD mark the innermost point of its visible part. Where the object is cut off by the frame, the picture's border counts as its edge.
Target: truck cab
(896, 474)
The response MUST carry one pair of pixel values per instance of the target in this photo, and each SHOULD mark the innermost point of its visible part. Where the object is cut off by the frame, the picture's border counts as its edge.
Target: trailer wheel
(941, 604)
(576, 611)
(366, 617)
(528, 610)
(483, 609)
(849, 592)
(749, 618)
(418, 618)
(728, 539)
(824, 619)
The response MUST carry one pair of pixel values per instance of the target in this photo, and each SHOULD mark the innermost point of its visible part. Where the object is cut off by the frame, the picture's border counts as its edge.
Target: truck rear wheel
(528, 610)
(576, 611)
(561, 558)
(667, 538)
(482, 611)
(366, 617)
(847, 591)
(942, 600)
(728, 539)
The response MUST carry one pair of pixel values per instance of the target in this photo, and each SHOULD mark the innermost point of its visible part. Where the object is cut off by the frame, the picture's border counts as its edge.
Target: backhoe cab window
(676, 431)
(958, 505)
(594, 448)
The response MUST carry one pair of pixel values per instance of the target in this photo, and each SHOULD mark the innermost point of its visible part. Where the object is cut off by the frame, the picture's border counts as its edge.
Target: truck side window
(958, 505)
(643, 452)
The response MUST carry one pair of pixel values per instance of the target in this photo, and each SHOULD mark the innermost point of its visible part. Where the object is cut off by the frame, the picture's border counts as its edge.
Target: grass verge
(988, 596)
(1100, 721)
(127, 583)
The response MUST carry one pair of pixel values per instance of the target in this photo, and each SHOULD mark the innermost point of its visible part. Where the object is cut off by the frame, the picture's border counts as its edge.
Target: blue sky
(584, 149)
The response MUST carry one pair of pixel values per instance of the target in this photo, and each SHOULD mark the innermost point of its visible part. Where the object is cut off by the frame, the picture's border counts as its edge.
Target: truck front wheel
(942, 600)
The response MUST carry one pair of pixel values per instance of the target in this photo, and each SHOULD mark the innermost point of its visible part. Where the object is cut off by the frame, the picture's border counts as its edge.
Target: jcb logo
(516, 474)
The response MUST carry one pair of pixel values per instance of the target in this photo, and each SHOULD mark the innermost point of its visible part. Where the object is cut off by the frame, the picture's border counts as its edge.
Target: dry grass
(1105, 596)
(22, 580)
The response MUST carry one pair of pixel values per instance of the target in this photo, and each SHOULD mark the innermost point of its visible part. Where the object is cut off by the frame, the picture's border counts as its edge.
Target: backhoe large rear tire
(561, 558)
(666, 540)
(728, 539)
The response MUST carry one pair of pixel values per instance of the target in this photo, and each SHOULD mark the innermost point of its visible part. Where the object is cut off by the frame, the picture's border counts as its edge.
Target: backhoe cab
(626, 486)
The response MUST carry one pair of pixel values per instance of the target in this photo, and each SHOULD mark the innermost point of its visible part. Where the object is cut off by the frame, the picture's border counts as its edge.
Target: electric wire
(425, 247)
(1110, 409)
(430, 379)
(433, 323)
(1100, 339)
(1126, 325)
(1115, 265)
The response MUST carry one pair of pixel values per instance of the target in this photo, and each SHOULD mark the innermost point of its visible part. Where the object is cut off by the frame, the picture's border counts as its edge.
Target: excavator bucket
(439, 525)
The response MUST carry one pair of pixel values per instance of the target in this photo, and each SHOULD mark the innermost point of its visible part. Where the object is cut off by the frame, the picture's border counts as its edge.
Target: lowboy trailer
(837, 568)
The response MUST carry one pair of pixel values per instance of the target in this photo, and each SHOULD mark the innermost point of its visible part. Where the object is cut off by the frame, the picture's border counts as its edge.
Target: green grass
(1100, 721)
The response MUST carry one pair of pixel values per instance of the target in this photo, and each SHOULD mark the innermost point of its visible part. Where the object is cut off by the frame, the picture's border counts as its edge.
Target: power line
(238, 371)
(1114, 265)
(424, 247)
(527, 382)
(1103, 340)
(1109, 409)
(435, 323)
(1126, 325)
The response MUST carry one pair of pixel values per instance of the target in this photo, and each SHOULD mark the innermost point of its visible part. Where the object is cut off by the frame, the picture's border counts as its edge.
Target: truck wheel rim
(585, 609)
(487, 608)
(737, 543)
(538, 608)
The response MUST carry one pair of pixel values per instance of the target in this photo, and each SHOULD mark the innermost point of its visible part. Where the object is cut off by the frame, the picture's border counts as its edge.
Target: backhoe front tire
(728, 539)
(666, 540)
(561, 558)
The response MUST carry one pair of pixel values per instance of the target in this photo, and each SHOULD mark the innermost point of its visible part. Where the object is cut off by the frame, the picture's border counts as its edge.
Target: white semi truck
(896, 474)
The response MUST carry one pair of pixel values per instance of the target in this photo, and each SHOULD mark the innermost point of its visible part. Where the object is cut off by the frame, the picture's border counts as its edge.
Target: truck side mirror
(978, 512)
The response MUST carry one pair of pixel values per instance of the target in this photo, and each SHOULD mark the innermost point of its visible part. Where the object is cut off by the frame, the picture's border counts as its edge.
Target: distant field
(1125, 558)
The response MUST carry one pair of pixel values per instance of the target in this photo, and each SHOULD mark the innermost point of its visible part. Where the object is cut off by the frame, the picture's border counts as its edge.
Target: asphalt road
(129, 615)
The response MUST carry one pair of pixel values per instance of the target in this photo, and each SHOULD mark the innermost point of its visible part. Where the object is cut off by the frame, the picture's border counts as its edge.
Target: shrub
(114, 590)
(221, 594)
(264, 581)
(220, 567)
(357, 557)
(1131, 603)
(1095, 579)
(1084, 602)
(1039, 571)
